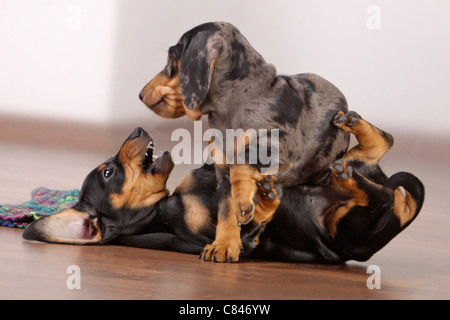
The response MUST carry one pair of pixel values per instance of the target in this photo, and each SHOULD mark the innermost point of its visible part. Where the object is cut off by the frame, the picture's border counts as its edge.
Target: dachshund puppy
(125, 201)
(213, 70)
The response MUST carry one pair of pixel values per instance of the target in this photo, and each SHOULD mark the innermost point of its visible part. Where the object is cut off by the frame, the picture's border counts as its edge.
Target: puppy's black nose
(136, 133)
(141, 94)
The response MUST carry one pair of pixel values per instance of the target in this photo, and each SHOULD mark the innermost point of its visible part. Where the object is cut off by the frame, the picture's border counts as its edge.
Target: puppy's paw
(346, 177)
(346, 121)
(244, 216)
(268, 199)
(341, 170)
(253, 194)
(220, 251)
(266, 188)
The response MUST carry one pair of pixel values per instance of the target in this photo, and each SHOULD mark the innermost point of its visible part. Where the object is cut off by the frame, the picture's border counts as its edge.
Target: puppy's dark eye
(108, 172)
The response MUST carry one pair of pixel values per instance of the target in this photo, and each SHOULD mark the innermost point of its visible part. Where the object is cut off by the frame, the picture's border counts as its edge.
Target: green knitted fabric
(43, 202)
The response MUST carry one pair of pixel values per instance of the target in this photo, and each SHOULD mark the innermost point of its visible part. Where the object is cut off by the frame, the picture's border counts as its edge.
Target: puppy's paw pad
(340, 118)
(353, 118)
(266, 188)
(342, 170)
(346, 121)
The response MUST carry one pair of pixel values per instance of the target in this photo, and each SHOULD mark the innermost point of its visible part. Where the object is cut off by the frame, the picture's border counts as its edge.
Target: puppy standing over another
(214, 70)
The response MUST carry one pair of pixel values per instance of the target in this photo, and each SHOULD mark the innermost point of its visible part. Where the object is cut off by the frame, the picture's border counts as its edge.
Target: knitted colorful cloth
(43, 202)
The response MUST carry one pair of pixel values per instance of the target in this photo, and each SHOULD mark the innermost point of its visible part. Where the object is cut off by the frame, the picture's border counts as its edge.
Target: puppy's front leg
(227, 244)
(243, 192)
(247, 185)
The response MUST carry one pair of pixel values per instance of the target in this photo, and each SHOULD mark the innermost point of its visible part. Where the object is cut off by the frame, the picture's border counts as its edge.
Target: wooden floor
(415, 265)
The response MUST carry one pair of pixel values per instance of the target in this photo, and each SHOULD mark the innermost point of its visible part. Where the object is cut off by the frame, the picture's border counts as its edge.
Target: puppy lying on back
(125, 201)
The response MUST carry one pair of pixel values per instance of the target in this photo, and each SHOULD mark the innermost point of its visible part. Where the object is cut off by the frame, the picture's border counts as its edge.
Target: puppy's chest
(242, 115)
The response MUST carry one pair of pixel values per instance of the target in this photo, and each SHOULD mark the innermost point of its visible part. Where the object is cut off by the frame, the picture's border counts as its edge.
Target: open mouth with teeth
(140, 147)
(148, 157)
(151, 163)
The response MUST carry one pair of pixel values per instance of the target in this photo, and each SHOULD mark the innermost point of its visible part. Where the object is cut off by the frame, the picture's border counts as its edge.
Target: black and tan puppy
(214, 70)
(125, 201)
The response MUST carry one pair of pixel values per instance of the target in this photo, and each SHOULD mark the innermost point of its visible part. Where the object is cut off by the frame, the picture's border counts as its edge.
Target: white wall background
(51, 66)
(87, 60)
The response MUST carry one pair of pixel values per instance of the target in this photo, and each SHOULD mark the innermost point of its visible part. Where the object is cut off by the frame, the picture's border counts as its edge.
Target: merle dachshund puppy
(213, 70)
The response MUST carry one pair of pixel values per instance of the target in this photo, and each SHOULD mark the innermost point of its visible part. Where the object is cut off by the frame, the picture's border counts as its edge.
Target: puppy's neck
(166, 212)
(256, 78)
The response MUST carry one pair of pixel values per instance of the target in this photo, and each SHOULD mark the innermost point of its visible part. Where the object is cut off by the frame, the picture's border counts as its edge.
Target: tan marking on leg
(360, 198)
(227, 244)
(373, 143)
(243, 187)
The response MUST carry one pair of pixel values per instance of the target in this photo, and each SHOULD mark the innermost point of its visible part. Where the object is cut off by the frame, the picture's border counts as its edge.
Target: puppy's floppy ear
(70, 226)
(197, 66)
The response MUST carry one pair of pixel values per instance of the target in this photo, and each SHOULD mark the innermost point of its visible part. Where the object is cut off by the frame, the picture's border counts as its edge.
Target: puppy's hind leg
(367, 195)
